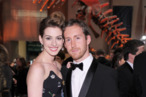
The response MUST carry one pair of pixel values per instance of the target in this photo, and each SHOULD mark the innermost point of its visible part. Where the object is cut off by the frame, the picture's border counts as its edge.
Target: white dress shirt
(78, 76)
(131, 65)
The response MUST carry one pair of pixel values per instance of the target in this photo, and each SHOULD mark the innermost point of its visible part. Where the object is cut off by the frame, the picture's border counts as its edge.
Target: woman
(118, 58)
(5, 73)
(44, 78)
(21, 74)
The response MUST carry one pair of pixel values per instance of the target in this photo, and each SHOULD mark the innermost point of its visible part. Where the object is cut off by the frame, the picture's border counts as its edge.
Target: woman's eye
(48, 38)
(59, 38)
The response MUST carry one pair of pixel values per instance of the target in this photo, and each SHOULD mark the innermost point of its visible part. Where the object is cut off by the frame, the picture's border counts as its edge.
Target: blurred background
(19, 23)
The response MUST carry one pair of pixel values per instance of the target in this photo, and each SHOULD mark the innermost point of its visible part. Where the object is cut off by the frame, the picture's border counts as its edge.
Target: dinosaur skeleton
(108, 24)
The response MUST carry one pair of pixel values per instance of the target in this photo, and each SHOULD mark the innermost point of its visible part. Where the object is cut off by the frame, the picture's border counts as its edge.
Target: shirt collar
(131, 65)
(86, 62)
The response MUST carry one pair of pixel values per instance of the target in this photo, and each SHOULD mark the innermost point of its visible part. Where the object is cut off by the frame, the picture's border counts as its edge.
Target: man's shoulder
(104, 69)
(125, 66)
(104, 66)
(105, 73)
(125, 70)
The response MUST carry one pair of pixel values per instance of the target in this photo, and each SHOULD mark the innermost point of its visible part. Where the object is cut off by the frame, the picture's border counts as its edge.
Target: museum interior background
(19, 22)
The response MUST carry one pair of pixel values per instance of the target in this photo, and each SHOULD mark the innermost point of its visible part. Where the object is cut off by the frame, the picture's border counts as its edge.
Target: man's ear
(40, 39)
(88, 39)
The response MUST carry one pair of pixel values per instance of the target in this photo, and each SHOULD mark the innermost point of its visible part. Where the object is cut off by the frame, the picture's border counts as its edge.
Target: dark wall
(124, 13)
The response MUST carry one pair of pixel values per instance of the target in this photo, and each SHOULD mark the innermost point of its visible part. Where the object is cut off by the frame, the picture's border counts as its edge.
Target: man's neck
(83, 58)
(130, 60)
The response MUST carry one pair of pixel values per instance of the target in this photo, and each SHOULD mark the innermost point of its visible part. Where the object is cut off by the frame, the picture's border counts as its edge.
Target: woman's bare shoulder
(36, 69)
(37, 65)
(35, 80)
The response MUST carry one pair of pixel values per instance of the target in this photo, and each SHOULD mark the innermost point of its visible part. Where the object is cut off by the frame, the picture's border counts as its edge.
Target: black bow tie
(80, 66)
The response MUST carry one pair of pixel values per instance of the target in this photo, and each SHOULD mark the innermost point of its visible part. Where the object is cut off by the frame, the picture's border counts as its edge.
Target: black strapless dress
(53, 86)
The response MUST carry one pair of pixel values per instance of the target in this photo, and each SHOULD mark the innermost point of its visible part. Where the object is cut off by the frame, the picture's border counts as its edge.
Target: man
(125, 72)
(93, 79)
(139, 74)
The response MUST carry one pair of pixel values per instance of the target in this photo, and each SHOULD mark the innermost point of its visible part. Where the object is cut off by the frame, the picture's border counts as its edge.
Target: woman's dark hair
(80, 23)
(118, 55)
(48, 22)
(22, 62)
(61, 55)
(116, 58)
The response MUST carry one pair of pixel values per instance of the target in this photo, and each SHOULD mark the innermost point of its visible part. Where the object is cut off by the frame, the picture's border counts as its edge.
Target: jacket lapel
(68, 84)
(88, 79)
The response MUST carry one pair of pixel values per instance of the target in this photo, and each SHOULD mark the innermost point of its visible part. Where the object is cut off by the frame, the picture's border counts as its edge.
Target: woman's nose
(54, 43)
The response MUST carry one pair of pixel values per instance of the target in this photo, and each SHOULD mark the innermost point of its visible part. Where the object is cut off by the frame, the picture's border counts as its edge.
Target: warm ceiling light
(53, 2)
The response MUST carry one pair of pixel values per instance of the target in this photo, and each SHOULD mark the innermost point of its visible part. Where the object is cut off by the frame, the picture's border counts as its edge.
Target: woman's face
(18, 62)
(121, 62)
(52, 40)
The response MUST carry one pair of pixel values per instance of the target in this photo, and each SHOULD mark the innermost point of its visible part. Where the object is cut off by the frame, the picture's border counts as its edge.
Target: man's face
(140, 50)
(76, 43)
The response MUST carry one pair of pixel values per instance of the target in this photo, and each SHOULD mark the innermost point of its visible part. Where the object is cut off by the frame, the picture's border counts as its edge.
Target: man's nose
(73, 43)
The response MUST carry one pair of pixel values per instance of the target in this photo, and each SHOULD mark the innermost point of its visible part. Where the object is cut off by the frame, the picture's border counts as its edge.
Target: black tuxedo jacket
(100, 81)
(104, 61)
(125, 80)
(140, 75)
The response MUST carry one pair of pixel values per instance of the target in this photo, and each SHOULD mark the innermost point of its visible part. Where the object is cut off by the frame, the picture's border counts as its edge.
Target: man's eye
(67, 40)
(77, 37)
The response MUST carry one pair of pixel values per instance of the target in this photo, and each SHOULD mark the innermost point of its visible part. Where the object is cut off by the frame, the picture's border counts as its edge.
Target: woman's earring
(62, 49)
(42, 47)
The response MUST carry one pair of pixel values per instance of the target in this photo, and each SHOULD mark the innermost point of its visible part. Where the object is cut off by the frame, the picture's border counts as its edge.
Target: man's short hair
(80, 23)
(131, 47)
